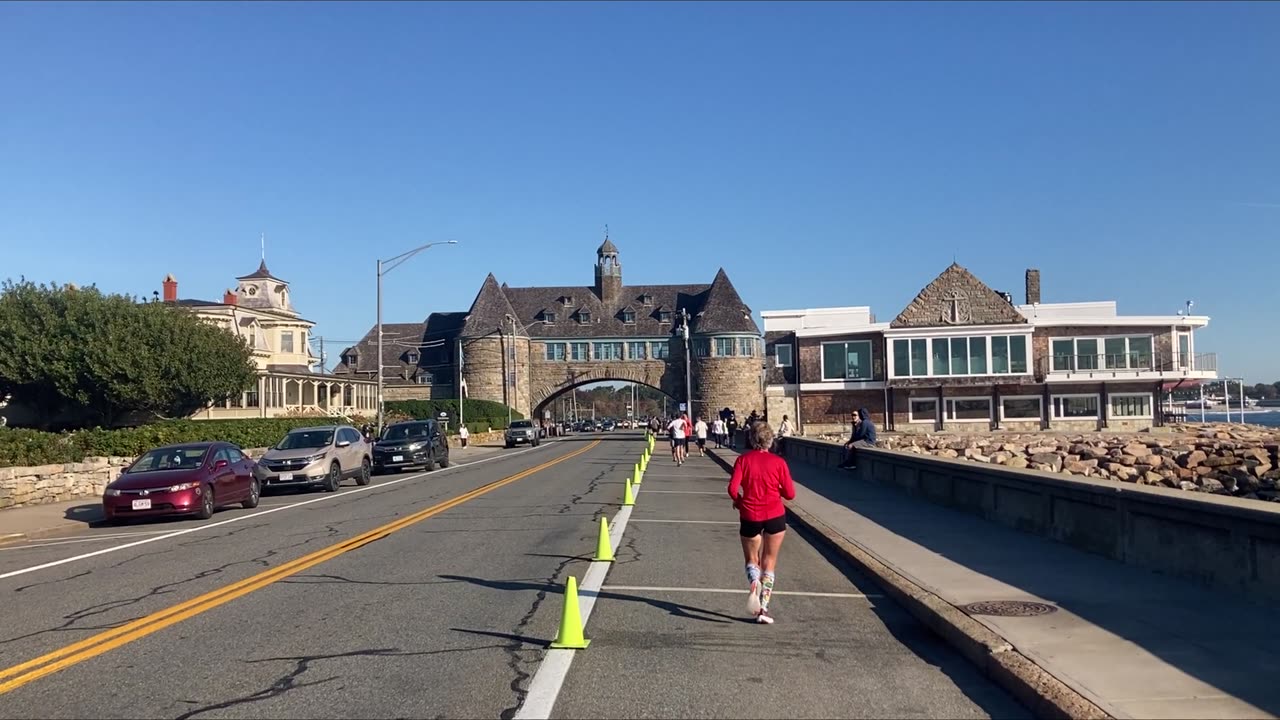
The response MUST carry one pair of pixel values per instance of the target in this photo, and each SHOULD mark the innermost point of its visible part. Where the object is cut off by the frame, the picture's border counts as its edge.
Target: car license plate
(286, 477)
(397, 458)
(141, 504)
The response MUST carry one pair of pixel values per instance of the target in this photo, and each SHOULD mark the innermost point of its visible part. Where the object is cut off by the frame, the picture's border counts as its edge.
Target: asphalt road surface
(436, 594)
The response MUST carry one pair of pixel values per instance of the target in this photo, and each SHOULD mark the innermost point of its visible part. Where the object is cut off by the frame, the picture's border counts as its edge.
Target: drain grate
(1009, 608)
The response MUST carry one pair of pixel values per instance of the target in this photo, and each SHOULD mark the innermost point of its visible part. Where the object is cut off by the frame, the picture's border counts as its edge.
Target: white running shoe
(753, 600)
(764, 618)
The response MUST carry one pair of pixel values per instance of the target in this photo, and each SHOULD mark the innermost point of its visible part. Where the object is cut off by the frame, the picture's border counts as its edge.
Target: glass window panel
(924, 409)
(1017, 353)
(747, 347)
(1076, 407)
(833, 360)
(1000, 354)
(580, 351)
(1062, 351)
(286, 342)
(1130, 406)
(1087, 353)
(902, 358)
(636, 350)
(1184, 350)
(971, 409)
(858, 361)
(941, 357)
(784, 355)
(659, 350)
(1114, 349)
(725, 347)
(919, 358)
(555, 351)
(959, 356)
(977, 356)
(1140, 352)
(1020, 408)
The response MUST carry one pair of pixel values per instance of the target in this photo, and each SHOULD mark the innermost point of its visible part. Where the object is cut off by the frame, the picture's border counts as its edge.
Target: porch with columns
(281, 394)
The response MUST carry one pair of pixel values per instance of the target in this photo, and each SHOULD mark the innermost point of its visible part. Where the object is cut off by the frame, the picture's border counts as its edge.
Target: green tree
(109, 356)
(1264, 391)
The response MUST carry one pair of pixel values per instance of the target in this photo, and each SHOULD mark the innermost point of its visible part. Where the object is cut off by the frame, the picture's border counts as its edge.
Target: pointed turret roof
(607, 247)
(723, 309)
(261, 272)
(974, 303)
(489, 311)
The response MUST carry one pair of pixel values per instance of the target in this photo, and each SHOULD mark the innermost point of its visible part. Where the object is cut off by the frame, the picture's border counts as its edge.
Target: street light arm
(395, 262)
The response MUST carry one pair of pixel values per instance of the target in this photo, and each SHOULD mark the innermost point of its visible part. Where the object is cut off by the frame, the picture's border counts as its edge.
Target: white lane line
(734, 591)
(685, 492)
(691, 522)
(545, 686)
(52, 541)
(198, 528)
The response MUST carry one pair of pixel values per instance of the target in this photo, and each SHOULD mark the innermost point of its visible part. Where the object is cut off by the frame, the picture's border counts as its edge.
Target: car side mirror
(344, 443)
(219, 464)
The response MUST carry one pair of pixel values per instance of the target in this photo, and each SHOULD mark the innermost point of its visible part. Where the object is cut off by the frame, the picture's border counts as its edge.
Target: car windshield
(522, 424)
(170, 459)
(405, 432)
(306, 439)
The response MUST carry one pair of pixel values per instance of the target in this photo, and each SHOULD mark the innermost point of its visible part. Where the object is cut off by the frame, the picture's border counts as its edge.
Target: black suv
(410, 444)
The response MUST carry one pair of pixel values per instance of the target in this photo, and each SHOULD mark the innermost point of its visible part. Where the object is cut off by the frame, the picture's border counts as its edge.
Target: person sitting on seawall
(864, 435)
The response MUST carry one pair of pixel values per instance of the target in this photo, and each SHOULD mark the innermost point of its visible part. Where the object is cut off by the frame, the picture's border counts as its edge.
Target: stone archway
(547, 387)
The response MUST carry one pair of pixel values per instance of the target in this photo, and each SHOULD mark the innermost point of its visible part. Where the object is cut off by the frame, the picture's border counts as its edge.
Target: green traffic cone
(627, 497)
(604, 550)
(570, 636)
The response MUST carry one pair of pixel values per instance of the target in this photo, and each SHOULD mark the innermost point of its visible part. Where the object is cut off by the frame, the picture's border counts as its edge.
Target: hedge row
(479, 415)
(33, 447)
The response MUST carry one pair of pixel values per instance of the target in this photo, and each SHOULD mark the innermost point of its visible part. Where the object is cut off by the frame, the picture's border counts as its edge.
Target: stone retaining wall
(1220, 459)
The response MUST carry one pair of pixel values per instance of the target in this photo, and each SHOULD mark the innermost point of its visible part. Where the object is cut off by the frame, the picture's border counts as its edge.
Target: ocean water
(1270, 418)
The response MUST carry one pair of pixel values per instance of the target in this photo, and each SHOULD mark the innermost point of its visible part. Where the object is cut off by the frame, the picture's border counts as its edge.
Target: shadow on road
(90, 515)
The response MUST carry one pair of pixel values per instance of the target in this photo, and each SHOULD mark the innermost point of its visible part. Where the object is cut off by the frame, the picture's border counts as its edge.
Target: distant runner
(700, 435)
(678, 429)
(764, 481)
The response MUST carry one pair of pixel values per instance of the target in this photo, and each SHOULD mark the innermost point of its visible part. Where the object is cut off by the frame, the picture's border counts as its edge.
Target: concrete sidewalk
(1134, 643)
(54, 519)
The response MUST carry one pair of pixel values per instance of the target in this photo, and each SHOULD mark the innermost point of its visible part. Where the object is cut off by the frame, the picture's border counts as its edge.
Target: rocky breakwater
(42, 484)
(1224, 460)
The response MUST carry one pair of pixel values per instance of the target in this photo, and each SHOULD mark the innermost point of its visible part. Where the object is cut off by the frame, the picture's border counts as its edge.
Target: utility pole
(688, 361)
(462, 396)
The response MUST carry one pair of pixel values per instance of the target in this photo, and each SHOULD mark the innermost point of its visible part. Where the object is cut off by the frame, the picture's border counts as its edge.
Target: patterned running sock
(753, 573)
(766, 589)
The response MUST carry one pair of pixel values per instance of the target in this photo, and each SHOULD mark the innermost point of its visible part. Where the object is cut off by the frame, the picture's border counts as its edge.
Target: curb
(1039, 691)
(7, 538)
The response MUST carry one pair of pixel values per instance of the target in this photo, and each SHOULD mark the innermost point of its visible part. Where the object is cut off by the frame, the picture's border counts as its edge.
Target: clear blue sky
(823, 154)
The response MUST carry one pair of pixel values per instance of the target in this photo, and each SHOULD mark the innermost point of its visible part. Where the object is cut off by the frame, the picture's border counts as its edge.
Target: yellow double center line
(20, 675)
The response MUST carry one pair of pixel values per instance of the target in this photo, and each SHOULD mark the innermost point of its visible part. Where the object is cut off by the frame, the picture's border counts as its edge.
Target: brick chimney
(170, 288)
(228, 298)
(1033, 286)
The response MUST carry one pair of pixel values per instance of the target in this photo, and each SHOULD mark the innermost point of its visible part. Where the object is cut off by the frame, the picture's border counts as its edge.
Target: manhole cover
(1009, 608)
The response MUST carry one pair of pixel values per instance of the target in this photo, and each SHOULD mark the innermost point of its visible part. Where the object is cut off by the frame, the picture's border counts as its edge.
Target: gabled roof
(398, 339)
(606, 318)
(973, 301)
(723, 310)
(261, 273)
(489, 311)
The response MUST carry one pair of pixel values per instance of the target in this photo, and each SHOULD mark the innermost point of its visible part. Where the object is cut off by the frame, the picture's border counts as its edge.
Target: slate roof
(607, 247)
(261, 272)
(440, 329)
(190, 303)
(489, 310)
(722, 310)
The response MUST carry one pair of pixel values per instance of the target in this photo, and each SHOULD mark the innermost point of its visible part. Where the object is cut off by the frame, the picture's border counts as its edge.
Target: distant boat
(1201, 405)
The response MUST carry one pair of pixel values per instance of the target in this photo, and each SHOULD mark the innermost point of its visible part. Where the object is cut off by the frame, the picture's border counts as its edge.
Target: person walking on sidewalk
(717, 432)
(731, 429)
(678, 429)
(760, 482)
(463, 435)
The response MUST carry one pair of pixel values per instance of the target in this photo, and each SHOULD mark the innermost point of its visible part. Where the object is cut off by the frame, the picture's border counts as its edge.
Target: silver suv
(316, 457)
(522, 431)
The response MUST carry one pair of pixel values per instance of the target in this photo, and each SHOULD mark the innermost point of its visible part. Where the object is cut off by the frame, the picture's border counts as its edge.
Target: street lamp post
(384, 267)
(688, 361)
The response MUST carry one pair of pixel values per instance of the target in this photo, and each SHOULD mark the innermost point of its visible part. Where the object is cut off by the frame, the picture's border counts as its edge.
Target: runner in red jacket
(760, 482)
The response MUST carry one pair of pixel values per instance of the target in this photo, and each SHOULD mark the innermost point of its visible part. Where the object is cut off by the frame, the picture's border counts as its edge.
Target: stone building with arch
(525, 346)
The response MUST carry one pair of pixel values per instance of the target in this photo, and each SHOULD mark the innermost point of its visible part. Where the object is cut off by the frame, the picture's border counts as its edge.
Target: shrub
(34, 447)
(493, 414)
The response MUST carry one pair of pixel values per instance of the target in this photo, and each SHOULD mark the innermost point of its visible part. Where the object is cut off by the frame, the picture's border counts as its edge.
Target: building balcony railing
(1125, 365)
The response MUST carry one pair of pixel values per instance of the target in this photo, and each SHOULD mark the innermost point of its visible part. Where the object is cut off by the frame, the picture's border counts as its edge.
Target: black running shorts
(752, 528)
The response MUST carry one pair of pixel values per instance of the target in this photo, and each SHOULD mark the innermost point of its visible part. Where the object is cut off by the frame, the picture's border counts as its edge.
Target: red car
(189, 479)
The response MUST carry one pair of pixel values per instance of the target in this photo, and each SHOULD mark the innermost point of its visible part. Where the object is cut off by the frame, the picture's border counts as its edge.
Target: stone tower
(608, 273)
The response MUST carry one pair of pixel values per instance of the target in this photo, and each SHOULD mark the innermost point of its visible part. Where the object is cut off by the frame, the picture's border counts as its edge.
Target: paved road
(434, 595)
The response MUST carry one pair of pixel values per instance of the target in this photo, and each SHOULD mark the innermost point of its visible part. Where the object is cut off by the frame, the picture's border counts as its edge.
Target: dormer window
(548, 317)
(629, 317)
(584, 317)
(646, 299)
(412, 357)
(664, 316)
(567, 301)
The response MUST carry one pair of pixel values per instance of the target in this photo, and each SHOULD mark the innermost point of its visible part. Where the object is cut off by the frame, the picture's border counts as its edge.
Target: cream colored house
(261, 312)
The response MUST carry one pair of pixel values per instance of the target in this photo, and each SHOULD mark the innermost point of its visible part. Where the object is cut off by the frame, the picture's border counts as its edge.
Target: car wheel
(206, 504)
(365, 473)
(255, 493)
(510, 445)
(430, 464)
(332, 482)
(444, 463)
